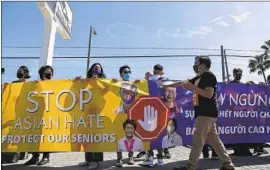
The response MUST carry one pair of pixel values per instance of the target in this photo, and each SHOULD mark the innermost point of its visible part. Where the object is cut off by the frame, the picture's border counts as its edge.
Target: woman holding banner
(92, 159)
(13, 157)
(45, 73)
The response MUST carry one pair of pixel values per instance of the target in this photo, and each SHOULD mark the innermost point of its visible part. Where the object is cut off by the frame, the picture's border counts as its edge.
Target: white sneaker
(93, 165)
(148, 162)
(160, 162)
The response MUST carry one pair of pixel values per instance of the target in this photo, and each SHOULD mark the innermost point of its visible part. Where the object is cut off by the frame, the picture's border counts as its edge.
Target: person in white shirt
(172, 139)
(129, 143)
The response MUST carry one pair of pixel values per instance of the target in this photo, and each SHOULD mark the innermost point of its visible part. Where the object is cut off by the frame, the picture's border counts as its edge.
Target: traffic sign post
(144, 108)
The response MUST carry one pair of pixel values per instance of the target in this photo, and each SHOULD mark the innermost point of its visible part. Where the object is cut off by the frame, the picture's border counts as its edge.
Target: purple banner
(244, 115)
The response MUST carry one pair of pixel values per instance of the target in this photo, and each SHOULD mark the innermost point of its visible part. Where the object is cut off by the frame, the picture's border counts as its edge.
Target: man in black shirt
(205, 150)
(206, 113)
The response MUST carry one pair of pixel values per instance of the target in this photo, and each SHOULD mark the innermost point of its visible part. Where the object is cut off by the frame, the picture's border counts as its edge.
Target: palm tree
(261, 63)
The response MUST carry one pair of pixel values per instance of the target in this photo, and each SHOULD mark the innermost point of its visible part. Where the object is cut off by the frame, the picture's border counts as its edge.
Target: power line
(125, 48)
(243, 50)
(129, 56)
(133, 48)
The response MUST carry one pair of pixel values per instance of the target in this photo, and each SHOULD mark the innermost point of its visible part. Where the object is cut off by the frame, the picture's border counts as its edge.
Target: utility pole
(222, 64)
(92, 32)
(3, 70)
(89, 49)
(226, 66)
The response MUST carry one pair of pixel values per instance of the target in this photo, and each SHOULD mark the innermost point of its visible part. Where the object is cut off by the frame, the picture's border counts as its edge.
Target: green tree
(261, 63)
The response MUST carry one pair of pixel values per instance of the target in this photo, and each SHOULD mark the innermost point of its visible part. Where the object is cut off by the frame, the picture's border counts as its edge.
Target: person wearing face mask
(128, 93)
(125, 75)
(237, 75)
(92, 159)
(129, 143)
(45, 73)
(206, 113)
(22, 74)
(96, 71)
(172, 139)
(128, 90)
(240, 149)
(13, 157)
(205, 150)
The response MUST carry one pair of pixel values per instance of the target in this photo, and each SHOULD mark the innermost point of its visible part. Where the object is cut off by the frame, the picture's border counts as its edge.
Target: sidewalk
(70, 161)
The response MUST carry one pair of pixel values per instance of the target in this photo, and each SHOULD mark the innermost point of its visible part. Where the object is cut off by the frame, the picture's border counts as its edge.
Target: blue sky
(242, 25)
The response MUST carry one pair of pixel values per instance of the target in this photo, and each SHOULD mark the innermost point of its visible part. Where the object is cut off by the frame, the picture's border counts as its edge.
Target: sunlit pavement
(70, 161)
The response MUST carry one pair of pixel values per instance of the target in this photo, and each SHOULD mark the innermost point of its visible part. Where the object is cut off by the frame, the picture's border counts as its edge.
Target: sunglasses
(125, 72)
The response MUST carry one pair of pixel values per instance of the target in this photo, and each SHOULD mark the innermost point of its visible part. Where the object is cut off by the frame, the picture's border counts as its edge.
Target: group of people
(203, 86)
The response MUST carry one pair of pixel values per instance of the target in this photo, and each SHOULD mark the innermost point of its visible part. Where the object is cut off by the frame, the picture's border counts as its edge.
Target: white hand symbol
(150, 119)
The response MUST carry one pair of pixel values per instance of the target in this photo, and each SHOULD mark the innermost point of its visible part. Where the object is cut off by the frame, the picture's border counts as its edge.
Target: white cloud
(174, 33)
(117, 26)
(240, 18)
(219, 21)
(199, 31)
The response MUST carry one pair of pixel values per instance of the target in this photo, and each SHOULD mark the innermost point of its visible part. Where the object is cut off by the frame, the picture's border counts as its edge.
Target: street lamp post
(92, 32)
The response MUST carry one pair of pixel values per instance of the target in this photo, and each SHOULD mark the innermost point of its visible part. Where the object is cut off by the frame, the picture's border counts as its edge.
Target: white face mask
(155, 77)
(170, 129)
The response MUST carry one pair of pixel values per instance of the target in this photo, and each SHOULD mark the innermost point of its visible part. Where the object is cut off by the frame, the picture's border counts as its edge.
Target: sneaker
(206, 156)
(44, 161)
(119, 163)
(148, 162)
(84, 164)
(130, 161)
(32, 161)
(141, 154)
(214, 156)
(167, 155)
(262, 151)
(160, 162)
(93, 165)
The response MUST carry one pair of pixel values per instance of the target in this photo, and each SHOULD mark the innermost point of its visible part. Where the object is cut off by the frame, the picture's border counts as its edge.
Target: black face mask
(48, 75)
(238, 77)
(195, 68)
(20, 75)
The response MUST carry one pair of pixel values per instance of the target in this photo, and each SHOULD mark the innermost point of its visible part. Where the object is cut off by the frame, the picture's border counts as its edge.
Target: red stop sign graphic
(140, 111)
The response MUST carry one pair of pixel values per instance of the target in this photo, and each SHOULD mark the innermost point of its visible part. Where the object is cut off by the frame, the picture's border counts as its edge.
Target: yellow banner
(66, 115)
